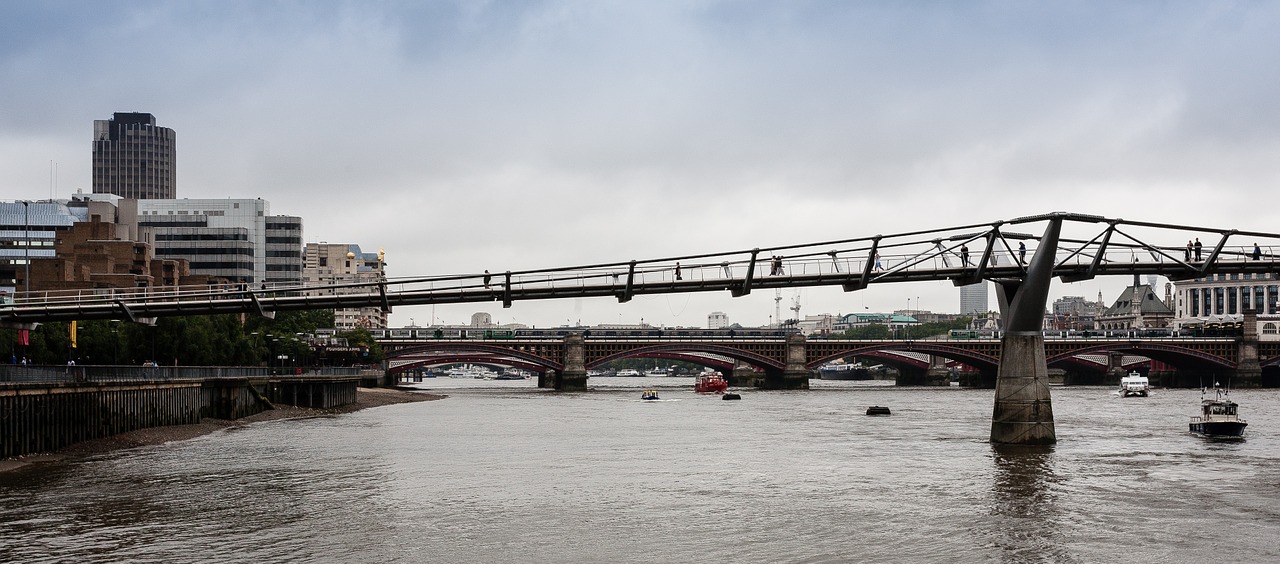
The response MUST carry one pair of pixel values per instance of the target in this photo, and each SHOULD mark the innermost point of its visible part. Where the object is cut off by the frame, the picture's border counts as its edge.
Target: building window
(1268, 328)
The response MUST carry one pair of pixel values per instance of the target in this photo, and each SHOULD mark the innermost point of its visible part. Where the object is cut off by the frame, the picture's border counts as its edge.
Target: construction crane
(795, 305)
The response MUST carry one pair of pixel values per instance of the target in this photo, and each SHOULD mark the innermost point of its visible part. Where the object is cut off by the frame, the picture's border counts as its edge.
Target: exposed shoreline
(365, 399)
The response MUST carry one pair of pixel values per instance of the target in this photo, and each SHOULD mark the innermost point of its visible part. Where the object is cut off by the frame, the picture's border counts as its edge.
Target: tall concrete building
(134, 158)
(973, 298)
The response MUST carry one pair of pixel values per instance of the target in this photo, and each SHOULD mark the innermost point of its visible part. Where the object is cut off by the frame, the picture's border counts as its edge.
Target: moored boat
(843, 371)
(649, 395)
(710, 383)
(1219, 418)
(1134, 385)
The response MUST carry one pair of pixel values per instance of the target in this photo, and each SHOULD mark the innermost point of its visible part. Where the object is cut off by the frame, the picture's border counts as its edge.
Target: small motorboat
(1134, 385)
(877, 410)
(710, 383)
(1219, 418)
(649, 395)
(731, 396)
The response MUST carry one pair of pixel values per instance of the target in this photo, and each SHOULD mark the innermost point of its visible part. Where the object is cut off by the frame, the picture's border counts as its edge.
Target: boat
(842, 371)
(1219, 418)
(649, 395)
(627, 372)
(731, 396)
(877, 410)
(656, 373)
(710, 383)
(1134, 385)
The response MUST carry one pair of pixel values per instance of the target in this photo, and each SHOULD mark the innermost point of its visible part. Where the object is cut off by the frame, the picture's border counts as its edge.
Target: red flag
(24, 338)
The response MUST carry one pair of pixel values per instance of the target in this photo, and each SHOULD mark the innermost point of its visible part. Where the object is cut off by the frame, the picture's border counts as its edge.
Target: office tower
(973, 298)
(134, 158)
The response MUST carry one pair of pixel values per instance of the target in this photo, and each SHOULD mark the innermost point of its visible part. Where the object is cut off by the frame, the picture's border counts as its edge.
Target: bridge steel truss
(1089, 246)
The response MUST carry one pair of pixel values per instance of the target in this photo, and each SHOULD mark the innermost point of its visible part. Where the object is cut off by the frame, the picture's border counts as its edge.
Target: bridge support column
(744, 375)
(937, 374)
(574, 375)
(1248, 368)
(1115, 368)
(1023, 412)
(795, 376)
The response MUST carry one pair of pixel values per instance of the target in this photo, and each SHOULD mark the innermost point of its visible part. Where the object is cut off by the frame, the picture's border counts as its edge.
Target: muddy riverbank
(365, 398)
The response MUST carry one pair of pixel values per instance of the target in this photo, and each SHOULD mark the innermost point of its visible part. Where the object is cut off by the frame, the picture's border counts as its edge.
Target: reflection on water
(1023, 504)
(505, 472)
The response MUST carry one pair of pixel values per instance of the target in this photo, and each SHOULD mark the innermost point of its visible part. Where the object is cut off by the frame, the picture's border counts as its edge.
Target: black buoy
(731, 396)
(877, 410)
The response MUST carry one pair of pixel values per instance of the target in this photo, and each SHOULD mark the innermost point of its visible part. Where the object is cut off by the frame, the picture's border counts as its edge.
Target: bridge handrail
(933, 254)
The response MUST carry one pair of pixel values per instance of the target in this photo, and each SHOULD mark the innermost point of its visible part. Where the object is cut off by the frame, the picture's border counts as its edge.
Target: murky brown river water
(503, 472)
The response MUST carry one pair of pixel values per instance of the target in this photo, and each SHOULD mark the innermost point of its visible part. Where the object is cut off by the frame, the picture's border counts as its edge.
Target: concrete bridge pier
(795, 376)
(1023, 412)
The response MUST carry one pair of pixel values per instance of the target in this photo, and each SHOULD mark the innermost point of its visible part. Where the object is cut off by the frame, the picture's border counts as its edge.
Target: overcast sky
(460, 136)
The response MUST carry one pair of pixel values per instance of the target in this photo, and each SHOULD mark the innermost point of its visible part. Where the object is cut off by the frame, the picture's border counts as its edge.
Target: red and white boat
(710, 383)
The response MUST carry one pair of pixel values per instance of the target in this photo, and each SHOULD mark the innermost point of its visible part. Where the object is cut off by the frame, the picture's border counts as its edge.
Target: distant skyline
(464, 136)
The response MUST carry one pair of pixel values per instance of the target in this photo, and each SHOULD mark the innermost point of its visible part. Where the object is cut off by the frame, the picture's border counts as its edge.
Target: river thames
(503, 472)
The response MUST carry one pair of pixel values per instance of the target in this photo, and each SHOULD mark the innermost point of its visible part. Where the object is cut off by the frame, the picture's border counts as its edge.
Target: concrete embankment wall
(45, 416)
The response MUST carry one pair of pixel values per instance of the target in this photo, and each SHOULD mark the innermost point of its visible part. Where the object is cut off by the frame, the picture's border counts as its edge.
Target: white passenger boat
(1134, 385)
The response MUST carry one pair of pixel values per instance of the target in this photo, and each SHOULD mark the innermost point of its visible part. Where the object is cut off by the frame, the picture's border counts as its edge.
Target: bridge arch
(748, 357)
(979, 360)
(457, 358)
(1158, 351)
(460, 349)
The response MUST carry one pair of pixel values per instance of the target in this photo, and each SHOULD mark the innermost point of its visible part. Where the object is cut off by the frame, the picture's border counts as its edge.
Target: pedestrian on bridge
(1257, 252)
(1197, 247)
(1187, 257)
(678, 271)
(877, 257)
(487, 278)
(964, 255)
(1022, 252)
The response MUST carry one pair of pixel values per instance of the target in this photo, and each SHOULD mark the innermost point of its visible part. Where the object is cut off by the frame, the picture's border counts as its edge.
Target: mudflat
(365, 399)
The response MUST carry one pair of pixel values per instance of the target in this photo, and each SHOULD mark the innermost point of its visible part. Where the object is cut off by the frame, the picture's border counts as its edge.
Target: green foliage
(361, 337)
(208, 340)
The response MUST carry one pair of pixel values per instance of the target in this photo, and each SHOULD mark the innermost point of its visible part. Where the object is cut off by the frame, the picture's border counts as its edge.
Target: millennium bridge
(1021, 256)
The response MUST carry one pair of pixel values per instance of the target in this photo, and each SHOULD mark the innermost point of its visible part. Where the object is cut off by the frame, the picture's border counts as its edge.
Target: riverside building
(1222, 298)
(339, 264)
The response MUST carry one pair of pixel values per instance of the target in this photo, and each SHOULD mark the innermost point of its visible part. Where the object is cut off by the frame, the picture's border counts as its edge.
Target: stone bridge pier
(796, 375)
(1248, 368)
(574, 376)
